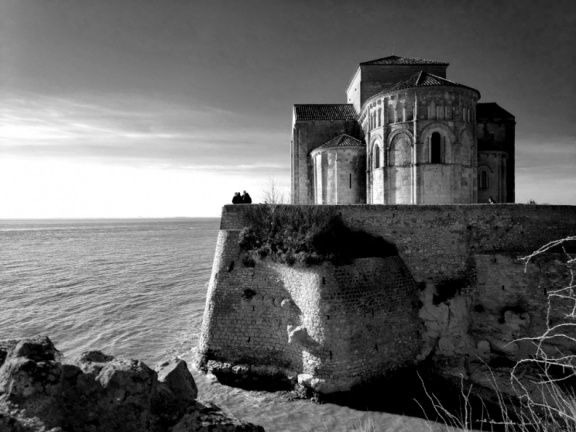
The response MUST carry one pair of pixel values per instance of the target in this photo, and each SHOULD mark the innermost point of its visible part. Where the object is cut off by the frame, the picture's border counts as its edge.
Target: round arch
(448, 138)
(400, 149)
(376, 153)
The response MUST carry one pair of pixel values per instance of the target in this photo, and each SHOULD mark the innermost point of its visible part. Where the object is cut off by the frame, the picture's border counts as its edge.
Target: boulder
(31, 379)
(99, 393)
(175, 374)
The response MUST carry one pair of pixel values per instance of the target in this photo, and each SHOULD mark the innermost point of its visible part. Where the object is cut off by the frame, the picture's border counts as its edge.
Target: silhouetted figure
(491, 200)
(246, 198)
(237, 199)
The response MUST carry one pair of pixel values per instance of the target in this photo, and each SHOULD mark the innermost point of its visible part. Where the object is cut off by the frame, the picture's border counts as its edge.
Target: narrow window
(435, 148)
(379, 116)
(376, 157)
(350, 181)
(483, 180)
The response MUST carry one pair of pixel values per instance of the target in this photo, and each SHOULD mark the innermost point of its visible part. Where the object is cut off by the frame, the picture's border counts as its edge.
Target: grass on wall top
(306, 234)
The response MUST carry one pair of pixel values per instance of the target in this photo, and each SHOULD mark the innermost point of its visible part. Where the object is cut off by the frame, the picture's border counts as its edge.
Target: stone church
(407, 135)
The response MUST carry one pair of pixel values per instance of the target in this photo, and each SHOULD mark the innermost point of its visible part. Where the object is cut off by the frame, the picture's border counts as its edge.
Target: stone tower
(425, 140)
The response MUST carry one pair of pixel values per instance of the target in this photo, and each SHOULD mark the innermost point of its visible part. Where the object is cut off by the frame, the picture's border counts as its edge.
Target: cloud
(132, 129)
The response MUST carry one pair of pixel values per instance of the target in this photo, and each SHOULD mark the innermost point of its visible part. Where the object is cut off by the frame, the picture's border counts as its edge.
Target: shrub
(308, 235)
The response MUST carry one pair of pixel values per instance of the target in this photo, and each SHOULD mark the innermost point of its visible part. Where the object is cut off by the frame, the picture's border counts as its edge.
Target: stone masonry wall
(437, 241)
(320, 325)
(334, 327)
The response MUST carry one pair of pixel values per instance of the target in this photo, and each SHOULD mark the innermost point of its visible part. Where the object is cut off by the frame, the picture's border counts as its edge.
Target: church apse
(426, 140)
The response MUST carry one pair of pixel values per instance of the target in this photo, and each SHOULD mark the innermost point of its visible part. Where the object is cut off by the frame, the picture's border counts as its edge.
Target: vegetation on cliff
(307, 235)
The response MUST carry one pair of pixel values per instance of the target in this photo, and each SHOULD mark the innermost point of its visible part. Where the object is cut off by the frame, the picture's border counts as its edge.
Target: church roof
(325, 112)
(396, 60)
(425, 79)
(342, 141)
(491, 110)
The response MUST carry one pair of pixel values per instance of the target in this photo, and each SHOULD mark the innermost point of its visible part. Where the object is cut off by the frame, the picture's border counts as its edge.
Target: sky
(165, 108)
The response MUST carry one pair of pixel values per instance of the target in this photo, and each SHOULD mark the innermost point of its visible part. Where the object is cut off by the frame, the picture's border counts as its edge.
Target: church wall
(398, 185)
(318, 172)
(351, 167)
(342, 179)
(377, 186)
(446, 111)
(494, 164)
(331, 177)
(307, 135)
(353, 91)
(442, 184)
(500, 136)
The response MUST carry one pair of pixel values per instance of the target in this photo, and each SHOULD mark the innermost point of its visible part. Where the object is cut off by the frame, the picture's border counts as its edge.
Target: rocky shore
(40, 391)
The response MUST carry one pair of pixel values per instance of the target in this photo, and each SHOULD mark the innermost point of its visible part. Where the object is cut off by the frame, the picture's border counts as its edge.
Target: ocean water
(137, 288)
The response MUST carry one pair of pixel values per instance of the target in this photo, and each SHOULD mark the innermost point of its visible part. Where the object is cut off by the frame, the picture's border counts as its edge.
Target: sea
(136, 288)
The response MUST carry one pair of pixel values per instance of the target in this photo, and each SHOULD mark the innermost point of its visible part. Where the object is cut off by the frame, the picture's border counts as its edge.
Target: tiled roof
(396, 60)
(342, 141)
(425, 79)
(491, 110)
(325, 112)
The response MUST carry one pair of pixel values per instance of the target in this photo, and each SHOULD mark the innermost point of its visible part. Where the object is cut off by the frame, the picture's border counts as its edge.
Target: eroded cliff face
(324, 327)
(484, 328)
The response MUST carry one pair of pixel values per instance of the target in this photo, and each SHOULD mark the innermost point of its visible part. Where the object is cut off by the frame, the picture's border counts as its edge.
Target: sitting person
(246, 198)
(237, 199)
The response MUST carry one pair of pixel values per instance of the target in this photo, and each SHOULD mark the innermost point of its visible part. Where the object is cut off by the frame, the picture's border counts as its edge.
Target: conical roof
(425, 79)
(343, 140)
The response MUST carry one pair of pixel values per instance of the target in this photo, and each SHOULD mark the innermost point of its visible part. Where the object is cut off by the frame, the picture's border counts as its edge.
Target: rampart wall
(332, 327)
(437, 241)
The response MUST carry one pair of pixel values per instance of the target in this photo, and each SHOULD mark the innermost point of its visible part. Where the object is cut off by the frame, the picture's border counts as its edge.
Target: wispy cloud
(132, 129)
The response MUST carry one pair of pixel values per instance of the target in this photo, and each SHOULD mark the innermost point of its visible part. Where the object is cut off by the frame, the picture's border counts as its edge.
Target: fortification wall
(331, 327)
(438, 241)
(320, 325)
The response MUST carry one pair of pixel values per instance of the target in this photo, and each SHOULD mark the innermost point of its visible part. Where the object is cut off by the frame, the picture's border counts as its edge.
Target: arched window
(483, 180)
(436, 148)
(376, 156)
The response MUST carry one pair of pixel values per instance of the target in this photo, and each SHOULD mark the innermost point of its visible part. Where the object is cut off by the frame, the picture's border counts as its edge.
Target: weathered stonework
(319, 326)
(426, 140)
(456, 289)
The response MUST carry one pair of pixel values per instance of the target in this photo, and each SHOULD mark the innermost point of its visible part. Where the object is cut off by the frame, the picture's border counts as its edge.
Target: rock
(123, 403)
(99, 393)
(202, 418)
(92, 362)
(176, 391)
(31, 379)
(10, 424)
(175, 374)
(5, 346)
